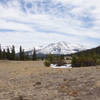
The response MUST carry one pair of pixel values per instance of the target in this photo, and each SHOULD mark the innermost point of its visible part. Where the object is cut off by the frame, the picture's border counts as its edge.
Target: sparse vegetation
(47, 63)
(86, 58)
(51, 59)
(33, 81)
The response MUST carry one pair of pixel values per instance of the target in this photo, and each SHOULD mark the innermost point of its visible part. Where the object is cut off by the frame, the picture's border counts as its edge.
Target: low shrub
(82, 61)
(47, 63)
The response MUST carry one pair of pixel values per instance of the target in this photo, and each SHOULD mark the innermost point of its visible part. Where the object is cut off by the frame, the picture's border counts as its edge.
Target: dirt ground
(30, 80)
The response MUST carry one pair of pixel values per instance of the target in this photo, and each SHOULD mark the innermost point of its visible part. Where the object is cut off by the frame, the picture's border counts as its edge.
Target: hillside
(90, 57)
(91, 51)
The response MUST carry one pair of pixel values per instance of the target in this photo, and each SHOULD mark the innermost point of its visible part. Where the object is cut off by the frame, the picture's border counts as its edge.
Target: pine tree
(20, 53)
(13, 54)
(74, 61)
(8, 54)
(23, 55)
(34, 57)
(0, 53)
(51, 58)
(4, 54)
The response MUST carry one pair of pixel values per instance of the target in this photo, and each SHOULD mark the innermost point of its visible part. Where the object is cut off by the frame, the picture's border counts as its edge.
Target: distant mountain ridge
(61, 48)
(92, 51)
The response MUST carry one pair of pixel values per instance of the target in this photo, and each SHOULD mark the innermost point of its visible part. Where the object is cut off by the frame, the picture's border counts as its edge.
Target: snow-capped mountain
(59, 48)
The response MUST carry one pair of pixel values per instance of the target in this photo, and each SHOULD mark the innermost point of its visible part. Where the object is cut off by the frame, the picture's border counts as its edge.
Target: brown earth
(28, 80)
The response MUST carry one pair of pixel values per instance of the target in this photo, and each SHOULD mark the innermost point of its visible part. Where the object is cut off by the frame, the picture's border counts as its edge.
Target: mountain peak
(61, 47)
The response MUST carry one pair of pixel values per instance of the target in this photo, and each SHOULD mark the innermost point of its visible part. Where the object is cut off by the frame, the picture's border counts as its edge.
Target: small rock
(38, 83)
(18, 98)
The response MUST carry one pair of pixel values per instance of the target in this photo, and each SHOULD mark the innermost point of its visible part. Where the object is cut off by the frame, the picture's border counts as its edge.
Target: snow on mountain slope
(58, 48)
(61, 48)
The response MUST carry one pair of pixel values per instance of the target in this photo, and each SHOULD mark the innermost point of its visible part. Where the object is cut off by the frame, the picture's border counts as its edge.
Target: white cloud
(69, 24)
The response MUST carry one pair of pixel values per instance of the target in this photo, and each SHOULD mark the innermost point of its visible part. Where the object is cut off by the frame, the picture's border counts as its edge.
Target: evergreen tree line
(10, 54)
(89, 57)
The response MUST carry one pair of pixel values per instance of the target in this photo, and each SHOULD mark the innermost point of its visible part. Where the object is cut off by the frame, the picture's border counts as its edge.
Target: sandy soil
(30, 80)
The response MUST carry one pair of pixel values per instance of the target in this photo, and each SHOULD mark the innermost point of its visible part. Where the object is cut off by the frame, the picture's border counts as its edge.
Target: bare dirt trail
(28, 80)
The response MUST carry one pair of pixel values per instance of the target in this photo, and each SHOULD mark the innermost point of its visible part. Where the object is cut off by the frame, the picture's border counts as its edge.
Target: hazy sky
(35, 22)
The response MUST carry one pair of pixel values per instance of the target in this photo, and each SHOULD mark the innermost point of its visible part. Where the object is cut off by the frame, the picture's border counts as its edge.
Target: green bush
(47, 63)
(54, 59)
(98, 62)
(51, 58)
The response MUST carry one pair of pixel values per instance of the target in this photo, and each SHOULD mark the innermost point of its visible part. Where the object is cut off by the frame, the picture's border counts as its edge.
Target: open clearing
(28, 80)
